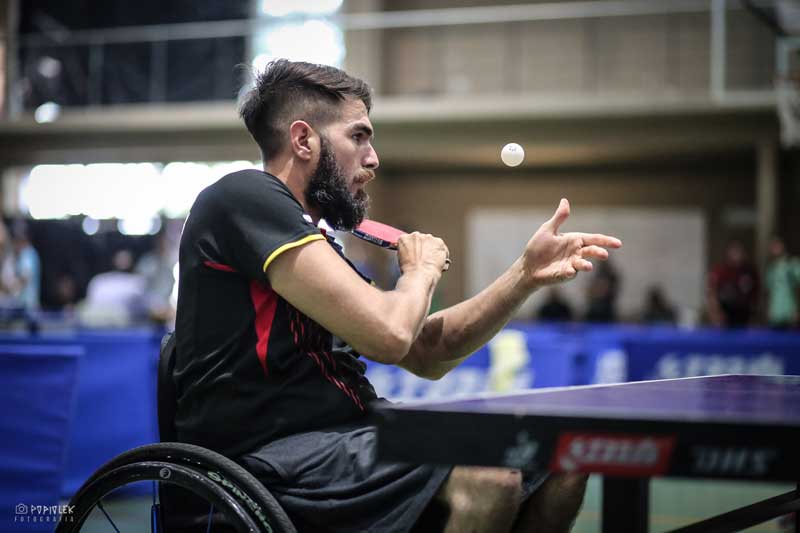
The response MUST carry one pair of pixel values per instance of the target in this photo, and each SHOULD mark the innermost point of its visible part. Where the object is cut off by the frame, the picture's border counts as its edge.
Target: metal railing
(158, 36)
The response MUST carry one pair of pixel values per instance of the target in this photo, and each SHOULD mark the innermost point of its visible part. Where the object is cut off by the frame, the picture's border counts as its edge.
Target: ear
(304, 141)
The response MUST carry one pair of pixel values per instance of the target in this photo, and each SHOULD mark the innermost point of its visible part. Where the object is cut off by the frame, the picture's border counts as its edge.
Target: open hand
(552, 257)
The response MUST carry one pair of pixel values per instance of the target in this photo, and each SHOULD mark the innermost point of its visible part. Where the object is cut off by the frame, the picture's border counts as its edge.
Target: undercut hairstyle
(287, 91)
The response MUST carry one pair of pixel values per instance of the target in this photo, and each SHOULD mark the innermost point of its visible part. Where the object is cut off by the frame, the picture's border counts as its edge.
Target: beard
(327, 190)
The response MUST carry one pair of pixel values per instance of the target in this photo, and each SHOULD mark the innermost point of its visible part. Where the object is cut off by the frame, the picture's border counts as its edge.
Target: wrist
(524, 276)
(424, 270)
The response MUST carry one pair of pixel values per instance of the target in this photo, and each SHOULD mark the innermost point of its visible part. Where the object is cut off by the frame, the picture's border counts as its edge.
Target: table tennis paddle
(379, 234)
(383, 235)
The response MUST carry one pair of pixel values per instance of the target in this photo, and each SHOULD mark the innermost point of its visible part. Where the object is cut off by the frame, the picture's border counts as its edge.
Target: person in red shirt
(733, 289)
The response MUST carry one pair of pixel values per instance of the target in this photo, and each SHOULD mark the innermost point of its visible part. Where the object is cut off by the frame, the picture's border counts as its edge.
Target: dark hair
(287, 91)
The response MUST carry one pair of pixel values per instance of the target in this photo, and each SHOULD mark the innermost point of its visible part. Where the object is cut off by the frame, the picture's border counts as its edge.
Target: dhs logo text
(615, 454)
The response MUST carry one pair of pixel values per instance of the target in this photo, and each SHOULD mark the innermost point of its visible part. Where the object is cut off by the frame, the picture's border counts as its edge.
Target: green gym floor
(673, 503)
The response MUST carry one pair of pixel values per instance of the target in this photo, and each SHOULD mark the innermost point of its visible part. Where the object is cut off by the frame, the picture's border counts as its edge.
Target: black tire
(255, 506)
(184, 476)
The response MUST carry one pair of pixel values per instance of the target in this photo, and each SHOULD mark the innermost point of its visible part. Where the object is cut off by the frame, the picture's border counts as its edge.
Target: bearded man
(273, 320)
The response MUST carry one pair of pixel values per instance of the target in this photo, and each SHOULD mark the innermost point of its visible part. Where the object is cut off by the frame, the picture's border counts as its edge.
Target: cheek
(352, 165)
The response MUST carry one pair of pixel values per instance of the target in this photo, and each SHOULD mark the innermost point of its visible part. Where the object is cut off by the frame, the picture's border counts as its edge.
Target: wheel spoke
(155, 511)
(210, 512)
(100, 506)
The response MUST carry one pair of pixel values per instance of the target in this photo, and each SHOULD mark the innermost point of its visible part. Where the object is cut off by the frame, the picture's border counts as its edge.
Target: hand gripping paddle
(382, 235)
(378, 234)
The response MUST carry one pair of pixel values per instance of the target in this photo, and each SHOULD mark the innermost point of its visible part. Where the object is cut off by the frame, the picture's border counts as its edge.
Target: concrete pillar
(364, 55)
(766, 196)
(3, 60)
(9, 21)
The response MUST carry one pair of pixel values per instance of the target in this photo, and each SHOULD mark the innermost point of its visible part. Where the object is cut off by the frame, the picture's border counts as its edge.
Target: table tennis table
(742, 427)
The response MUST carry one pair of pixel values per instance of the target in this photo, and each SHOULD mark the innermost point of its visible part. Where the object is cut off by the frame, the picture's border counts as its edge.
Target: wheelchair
(195, 489)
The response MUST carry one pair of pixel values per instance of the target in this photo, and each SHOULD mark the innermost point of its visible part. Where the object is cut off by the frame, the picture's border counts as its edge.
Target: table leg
(625, 505)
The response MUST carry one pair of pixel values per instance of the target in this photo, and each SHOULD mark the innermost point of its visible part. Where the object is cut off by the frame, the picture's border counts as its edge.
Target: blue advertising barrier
(38, 392)
(547, 355)
(519, 357)
(115, 407)
(114, 399)
(662, 354)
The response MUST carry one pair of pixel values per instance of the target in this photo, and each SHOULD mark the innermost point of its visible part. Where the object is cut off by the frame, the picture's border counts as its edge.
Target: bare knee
(563, 491)
(488, 496)
(569, 484)
(555, 504)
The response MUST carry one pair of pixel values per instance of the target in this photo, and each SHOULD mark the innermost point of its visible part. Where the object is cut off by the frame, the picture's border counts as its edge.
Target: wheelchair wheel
(233, 497)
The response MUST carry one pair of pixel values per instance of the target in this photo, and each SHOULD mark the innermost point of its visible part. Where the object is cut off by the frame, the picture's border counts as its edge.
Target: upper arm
(319, 283)
(244, 220)
(258, 228)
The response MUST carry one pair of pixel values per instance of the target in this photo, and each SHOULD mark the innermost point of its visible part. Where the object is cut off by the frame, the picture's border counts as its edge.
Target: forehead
(353, 112)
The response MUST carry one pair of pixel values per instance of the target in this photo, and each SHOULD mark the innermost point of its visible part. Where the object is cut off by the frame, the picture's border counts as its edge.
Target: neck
(296, 180)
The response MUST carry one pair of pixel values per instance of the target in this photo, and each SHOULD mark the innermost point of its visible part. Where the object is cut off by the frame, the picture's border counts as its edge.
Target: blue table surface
(773, 400)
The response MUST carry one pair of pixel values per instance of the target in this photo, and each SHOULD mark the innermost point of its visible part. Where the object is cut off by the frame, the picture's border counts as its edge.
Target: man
(114, 297)
(272, 321)
(156, 268)
(27, 267)
(733, 289)
(555, 308)
(782, 283)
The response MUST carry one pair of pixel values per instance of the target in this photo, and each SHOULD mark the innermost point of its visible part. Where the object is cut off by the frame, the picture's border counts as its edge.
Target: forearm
(380, 325)
(410, 301)
(450, 335)
(549, 257)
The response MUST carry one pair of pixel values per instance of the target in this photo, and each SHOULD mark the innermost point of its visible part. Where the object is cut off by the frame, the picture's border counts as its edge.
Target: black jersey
(250, 367)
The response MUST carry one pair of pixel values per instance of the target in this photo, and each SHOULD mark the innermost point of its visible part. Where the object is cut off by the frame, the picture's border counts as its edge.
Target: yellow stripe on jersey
(289, 246)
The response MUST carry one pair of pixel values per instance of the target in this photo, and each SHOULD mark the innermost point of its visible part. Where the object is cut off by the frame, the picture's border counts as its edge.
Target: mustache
(365, 175)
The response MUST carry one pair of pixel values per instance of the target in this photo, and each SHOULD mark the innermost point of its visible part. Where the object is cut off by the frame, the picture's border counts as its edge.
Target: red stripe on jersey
(350, 393)
(265, 302)
(293, 330)
(331, 359)
(219, 266)
(312, 338)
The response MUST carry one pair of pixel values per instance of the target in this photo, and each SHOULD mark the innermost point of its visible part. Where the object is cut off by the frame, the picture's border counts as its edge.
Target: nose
(371, 159)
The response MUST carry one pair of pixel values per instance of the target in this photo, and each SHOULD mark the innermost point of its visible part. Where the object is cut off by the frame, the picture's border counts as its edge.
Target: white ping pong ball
(512, 154)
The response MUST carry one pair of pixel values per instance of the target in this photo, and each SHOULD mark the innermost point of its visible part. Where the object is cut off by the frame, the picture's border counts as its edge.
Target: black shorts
(328, 480)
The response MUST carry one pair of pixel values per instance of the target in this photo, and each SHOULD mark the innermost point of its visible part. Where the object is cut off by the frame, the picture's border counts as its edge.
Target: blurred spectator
(554, 308)
(782, 283)
(27, 268)
(114, 298)
(657, 309)
(8, 281)
(603, 290)
(156, 269)
(733, 289)
(66, 291)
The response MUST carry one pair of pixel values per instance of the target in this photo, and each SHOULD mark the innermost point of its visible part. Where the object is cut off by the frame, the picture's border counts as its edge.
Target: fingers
(594, 252)
(422, 250)
(582, 265)
(580, 261)
(598, 239)
(558, 218)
